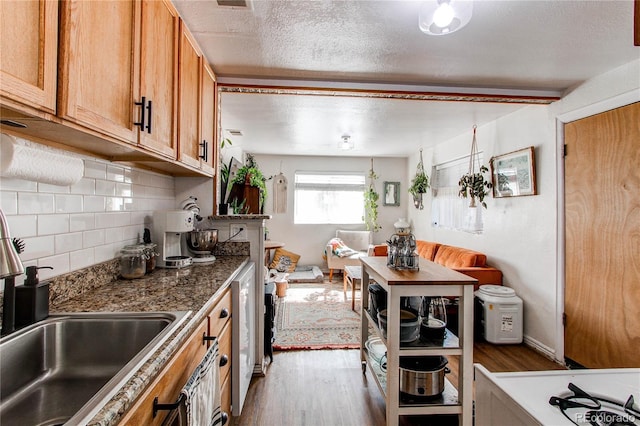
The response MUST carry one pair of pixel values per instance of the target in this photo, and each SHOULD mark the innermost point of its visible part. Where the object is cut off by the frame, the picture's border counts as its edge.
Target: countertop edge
(112, 412)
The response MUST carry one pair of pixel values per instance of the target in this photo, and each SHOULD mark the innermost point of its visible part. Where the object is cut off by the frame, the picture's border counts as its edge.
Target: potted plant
(419, 184)
(248, 187)
(473, 183)
(371, 198)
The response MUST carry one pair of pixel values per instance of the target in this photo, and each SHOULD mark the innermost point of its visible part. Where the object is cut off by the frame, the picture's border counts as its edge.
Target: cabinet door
(208, 118)
(98, 66)
(29, 45)
(189, 100)
(158, 75)
(167, 386)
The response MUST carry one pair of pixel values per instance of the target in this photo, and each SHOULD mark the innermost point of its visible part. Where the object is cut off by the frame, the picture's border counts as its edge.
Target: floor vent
(233, 3)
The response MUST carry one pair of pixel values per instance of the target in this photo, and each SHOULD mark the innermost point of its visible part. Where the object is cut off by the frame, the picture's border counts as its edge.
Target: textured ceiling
(533, 46)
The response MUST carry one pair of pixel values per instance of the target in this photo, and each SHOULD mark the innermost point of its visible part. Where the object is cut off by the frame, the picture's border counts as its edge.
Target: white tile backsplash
(81, 259)
(84, 186)
(37, 247)
(68, 203)
(82, 222)
(8, 201)
(72, 227)
(59, 263)
(53, 224)
(65, 243)
(22, 226)
(95, 169)
(35, 203)
(104, 187)
(94, 203)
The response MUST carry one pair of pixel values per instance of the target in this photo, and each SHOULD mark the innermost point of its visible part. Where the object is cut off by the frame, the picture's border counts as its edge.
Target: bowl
(202, 242)
(409, 325)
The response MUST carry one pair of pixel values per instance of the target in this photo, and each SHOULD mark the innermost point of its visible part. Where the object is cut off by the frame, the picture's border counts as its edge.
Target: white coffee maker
(168, 227)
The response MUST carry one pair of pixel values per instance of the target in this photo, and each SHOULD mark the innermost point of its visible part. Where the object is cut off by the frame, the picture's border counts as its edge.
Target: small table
(268, 246)
(352, 277)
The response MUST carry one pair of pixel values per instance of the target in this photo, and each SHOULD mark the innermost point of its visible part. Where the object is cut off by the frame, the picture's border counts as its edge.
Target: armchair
(355, 240)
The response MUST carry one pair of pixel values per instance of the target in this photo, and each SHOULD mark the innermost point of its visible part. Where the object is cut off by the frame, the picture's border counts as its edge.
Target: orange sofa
(468, 262)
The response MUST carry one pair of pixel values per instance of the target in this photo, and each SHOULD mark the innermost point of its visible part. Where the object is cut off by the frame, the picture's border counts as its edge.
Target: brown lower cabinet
(167, 385)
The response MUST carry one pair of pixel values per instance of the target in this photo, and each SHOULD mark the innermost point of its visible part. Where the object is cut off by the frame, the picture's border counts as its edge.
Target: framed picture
(514, 174)
(391, 194)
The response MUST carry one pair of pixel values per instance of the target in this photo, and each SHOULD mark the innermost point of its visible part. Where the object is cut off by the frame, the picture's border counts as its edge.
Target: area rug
(316, 316)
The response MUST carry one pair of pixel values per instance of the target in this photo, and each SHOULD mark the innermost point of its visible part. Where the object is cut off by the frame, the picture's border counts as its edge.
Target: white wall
(309, 240)
(73, 227)
(521, 234)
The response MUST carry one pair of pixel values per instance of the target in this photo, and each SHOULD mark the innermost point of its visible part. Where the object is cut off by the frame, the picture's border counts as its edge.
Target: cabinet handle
(224, 313)
(149, 120)
(204, 155)
(224, 360)
(141, 104)
(206, 338)
(225, 417)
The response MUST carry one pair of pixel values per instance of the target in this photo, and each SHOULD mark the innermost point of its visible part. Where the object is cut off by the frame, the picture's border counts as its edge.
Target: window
(448, 210)
(329, 198)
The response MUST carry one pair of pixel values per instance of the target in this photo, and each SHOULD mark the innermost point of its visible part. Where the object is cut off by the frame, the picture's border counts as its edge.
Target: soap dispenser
(32, 298)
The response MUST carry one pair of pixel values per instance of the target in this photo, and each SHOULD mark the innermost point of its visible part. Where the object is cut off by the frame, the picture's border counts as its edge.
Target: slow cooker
(422, 377)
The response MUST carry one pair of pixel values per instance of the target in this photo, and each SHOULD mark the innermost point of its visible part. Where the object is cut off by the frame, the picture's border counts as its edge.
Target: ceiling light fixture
(346, 143)
(442, 17)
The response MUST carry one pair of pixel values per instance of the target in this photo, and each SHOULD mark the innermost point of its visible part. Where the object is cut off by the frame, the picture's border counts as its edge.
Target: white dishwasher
(243, 293)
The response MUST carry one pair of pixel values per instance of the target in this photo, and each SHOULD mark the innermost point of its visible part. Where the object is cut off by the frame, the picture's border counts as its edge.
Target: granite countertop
(190, 289)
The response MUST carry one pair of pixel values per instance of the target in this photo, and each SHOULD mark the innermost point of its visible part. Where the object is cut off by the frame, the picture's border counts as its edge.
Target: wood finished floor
(327, 388)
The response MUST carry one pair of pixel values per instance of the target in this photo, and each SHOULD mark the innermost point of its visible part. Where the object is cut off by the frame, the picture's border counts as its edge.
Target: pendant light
(442, 17)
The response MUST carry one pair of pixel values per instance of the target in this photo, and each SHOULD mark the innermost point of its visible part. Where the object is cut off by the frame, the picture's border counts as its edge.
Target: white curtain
(448, 209)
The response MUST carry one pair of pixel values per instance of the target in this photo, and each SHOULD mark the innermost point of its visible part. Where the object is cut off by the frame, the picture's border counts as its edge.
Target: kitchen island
(432, 280)
(194, 289)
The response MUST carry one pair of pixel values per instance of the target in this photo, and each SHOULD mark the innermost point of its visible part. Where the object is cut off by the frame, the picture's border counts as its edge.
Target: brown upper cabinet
(119, 73)
(196, 94)
(29, 35)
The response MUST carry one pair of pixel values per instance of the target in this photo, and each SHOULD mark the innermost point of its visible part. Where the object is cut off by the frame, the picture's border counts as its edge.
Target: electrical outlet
(238, 232)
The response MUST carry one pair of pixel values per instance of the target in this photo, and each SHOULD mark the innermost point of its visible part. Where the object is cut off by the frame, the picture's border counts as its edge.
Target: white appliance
(501, 314)
(168, 227)
(243, 294)
(512, 399)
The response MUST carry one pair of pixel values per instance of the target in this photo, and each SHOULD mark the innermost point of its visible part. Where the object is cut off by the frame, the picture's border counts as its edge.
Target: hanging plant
(473, 184)
(371, 198)
(419, 184)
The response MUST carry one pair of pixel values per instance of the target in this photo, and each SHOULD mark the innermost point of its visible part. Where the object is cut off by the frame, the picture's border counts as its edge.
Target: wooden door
(29, 45)
(159, 75)
(208, 118)
(98, 66)
(602, 211)
(189, 100)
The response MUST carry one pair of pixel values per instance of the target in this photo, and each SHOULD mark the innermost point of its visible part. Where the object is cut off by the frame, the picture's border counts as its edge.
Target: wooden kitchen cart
(431, 280)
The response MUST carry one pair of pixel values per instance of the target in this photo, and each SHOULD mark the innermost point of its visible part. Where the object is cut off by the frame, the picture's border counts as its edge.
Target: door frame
(567, 117)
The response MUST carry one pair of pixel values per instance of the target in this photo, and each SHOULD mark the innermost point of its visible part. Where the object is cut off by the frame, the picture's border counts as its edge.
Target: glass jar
(151, 251)
(133, 262)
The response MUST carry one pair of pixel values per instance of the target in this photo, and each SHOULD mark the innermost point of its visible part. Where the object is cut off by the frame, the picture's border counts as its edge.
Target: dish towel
(200, 396)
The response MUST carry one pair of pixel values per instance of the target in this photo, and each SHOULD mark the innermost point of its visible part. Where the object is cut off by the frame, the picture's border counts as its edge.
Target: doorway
(602, 239)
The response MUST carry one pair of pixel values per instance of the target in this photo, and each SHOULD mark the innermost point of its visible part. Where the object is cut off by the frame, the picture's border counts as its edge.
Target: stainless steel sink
(65, 368)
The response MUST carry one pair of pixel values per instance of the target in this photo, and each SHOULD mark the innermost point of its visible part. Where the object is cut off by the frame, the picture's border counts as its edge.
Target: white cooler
(501, 314)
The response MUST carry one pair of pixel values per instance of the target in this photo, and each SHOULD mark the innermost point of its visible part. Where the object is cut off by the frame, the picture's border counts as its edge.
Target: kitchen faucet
(10, 267)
